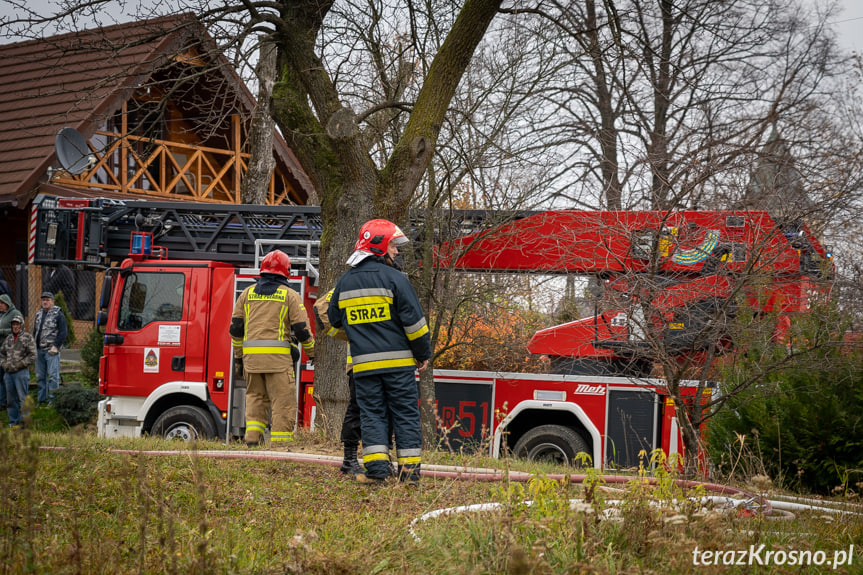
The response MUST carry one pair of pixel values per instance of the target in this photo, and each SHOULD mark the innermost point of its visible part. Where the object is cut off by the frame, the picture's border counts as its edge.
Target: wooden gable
(161, 115)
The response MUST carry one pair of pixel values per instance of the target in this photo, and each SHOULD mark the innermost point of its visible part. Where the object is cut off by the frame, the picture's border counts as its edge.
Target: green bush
(76, 403)
(91, 351)
(805, 424)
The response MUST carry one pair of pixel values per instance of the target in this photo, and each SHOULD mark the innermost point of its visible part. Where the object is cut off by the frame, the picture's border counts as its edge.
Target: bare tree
(660, 99)
(262, 163)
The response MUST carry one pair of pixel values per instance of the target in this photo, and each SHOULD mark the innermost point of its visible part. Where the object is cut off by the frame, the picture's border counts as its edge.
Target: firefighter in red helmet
(378, 309)
(265, 315)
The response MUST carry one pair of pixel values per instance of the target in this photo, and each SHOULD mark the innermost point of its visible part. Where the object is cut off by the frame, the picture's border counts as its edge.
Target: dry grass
(86, 508)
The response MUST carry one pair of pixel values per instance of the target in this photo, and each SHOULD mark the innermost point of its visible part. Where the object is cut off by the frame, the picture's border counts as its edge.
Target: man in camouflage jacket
(17, 354)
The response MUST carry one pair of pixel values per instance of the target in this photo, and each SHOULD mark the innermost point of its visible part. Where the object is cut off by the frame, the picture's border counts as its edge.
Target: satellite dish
(72, 151)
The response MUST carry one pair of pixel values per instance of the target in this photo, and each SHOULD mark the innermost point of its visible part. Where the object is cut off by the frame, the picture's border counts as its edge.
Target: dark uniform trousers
(401, 394)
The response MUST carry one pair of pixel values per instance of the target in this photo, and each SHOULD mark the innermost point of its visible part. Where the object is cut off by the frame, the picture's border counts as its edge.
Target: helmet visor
(399, 238)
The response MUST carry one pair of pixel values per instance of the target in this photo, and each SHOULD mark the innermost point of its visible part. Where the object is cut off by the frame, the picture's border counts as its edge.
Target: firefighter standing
(378, 309)
(265, 315)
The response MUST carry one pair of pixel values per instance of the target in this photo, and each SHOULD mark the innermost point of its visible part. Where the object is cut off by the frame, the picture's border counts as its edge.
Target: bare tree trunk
(611, 185)
(324, 134)
(256, 183)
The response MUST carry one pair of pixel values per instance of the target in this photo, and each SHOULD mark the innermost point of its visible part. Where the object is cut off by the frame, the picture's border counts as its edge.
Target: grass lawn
(74, 503)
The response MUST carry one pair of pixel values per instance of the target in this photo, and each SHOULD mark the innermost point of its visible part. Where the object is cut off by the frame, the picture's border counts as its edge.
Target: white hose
(791, 506)
(820, 502)
(779, 509)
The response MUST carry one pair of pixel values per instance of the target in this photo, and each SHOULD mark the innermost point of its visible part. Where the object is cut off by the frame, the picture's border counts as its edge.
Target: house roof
(76, 80)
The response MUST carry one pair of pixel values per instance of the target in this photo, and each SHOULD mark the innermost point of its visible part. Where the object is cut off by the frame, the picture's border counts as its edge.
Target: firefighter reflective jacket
(378, 309)
(267, 322)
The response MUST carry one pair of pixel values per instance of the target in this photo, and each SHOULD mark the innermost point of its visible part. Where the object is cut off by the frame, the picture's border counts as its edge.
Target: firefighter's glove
(295, 352)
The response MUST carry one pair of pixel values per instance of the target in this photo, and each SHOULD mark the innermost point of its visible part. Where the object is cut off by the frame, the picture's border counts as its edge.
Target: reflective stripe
(367, 449)
(281, 436)
(364, 293)
(382, 360)
(417, 334)
(410, 460)
(409, 452)
(334, 331)
(365, 296)
(267, 343)
(375, 457)
(252, 425)
(282, 313)
(261, 350)
(384, 355)
(245, 320)
(416, 327)
(266, 346)
(236, 342)
(309, 344)
(372, 365)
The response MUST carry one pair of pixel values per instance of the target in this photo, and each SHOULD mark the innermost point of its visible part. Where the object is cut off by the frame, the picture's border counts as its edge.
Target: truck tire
(184, 422)
(552, 444)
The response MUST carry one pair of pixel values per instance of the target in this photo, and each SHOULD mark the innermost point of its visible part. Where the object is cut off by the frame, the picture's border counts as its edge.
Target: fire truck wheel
(184, 422)
(551, 443)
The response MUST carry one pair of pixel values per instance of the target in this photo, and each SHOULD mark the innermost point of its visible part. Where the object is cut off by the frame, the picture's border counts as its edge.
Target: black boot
(350, 465)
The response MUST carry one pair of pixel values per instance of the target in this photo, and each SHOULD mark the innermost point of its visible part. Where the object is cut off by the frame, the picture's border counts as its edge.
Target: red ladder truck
(167, 366)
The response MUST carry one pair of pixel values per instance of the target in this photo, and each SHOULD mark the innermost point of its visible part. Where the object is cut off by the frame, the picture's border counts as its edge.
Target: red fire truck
(167, 366)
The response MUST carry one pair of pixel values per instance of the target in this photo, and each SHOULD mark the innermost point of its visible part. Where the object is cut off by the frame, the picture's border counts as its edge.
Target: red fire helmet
(276, 262)
(376, 235)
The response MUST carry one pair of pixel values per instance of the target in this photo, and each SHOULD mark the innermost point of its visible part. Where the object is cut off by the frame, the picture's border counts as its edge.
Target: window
(149, 297)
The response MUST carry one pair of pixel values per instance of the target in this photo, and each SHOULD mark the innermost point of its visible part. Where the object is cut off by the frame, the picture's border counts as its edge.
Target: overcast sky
(850, 25)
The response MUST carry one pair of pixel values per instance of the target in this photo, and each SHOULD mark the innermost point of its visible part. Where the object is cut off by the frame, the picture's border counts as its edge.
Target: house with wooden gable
(142, 110)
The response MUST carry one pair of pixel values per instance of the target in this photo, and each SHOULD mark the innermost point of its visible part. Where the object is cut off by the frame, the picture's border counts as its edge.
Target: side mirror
(105, 296)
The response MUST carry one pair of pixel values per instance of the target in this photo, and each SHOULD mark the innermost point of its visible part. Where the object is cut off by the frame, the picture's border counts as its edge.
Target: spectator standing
(17, 354)
(264, 316)
(7, 312)
(376, 306)
(49, 331)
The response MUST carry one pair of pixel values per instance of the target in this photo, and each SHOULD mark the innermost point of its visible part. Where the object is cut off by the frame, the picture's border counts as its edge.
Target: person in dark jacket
(378, 309)
(49, 331)
(17, 354)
